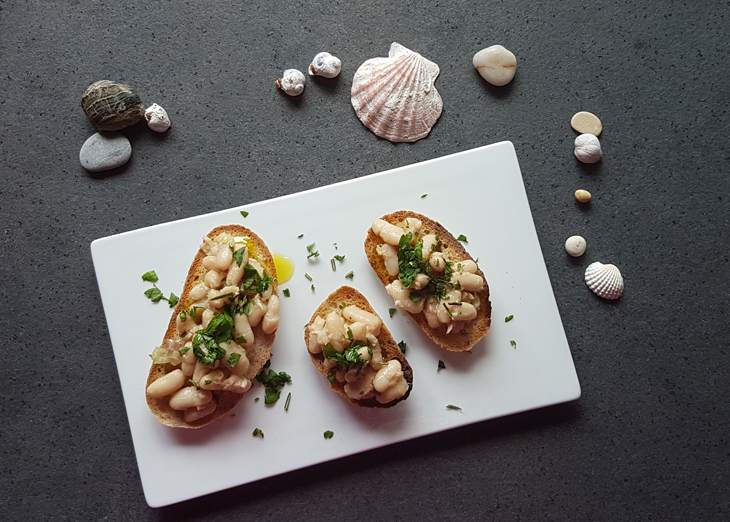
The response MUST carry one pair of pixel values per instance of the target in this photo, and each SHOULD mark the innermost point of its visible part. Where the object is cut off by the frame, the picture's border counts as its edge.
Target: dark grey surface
(648, 440)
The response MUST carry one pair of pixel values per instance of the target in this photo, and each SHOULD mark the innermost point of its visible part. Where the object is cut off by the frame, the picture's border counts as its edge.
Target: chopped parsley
(257, 432)
(350, 275)
(462, 237)
(402, 345)
(312, 288)
(273, 382)
(155, 295)
(441, 366)
(392, 311)
(452, 407)
(508, 318)
(328, 434)
(253, 282)
(234, 358)
(205, 342)
(339, 258)
(238, 255)
(194, 383)
(244, 213)
(183, 351)
(514, 344)
(286, 292)
(150, 276)
(312, 251)
(424, 195)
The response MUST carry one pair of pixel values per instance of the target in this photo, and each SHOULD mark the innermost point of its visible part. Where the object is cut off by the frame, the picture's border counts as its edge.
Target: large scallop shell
(111, 106)
(395, 97)
(604, 280)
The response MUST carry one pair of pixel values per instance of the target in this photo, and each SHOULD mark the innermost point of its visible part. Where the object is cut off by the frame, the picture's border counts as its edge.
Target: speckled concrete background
(648, 440)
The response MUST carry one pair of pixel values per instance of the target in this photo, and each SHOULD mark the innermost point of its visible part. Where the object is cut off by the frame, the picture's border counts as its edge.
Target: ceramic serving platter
(478, 193)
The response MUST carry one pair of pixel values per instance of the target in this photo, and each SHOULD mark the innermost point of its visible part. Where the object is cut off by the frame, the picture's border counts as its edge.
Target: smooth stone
(586, 123)
(575, 246)
(496, 64)
(104, 151)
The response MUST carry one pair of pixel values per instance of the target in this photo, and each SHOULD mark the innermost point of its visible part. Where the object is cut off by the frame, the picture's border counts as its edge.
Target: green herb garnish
(334, 267)
(288, 400)
(339, 258)
(508, 318)
(328, 434)
(331, 376)
(452, 407)
(312, 288)
(150, 276)
(194, 383)
(350, 275)
(244, 213)
(234, 358)
(205, 342)
(257, 432)
(274, 382)
(462, 237)
(207, 382)
(155, 294)
(423, 196)
(184, 350)
(402, 345)
(514, 344)
(173, 300)
(441, 366)
(238, 255)
(308, 276)
(312, 251)
(392, 311)
(286, 292)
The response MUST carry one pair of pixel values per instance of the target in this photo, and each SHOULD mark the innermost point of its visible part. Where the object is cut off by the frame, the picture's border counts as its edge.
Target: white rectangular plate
(478, 193)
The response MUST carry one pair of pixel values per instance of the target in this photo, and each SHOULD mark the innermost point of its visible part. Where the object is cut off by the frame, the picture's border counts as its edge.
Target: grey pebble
(104, 151)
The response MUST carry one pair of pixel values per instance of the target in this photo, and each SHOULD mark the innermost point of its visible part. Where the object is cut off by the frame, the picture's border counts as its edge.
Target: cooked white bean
(429, 245)
(437, 262)
(213, 279)
(467, 281)
(208, 314)
(210, 378)
(243, 363)
(401, 297)
(235, 274)
(166, 384)
(210, 262)
(376, 358)
(209, 247)
(359, 330)
(271, 319)
(199, 371)
(420, 282)
(391, 234)
(390, 258)
(317, 336)
(190, 397)
(468, 266)
(193, 414)
(363, 353)
(256, 311)
(465, 312)
(396, 391)
(388, 375)
(198, 292)
(223, 258)
(334, 326)
(243, 329)
(431, 318)
(329, 363)
(356, 314)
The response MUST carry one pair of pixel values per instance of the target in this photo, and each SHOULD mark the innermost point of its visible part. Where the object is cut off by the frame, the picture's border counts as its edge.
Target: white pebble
(157, 118)
(575, 246)
(324, 64)
(588, 148)
(496, 64)
(292, 82)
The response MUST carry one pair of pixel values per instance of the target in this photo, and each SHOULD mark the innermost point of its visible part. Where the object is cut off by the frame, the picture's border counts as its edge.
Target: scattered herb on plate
(441, 366)
(273, 382)
(150, 276)
(244, 213)
(452, 407)
(392, 311)
(508, 318)
(402, 345)
(309, 277)
(286, 292)
(328, 434)
(423, 196)
(288, 400)
(350, 275)
(312, 251)
(258, 433)
(514, 344)
(462, 237)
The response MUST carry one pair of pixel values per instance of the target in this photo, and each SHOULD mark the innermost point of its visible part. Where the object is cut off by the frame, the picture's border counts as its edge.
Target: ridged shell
(111, 106)
(605, 280)
(395, 97)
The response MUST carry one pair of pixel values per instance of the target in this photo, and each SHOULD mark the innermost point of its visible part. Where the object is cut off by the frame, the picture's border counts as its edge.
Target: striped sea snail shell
(111, 106)
(604, 280)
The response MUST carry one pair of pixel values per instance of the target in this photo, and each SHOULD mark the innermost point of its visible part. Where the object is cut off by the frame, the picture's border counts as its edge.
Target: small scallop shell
(111, 106)
(395, 97)
(604, 280)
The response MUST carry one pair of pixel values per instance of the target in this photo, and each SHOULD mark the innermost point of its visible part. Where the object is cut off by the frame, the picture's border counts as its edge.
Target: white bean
(199, 371)
(212, 279)
(243, 363)
(190, 397)
(465, 312)
(243, 329)
(208, 315)
(429, 245)
(402, 299)
(355, 314)
(334, 326)
(390, 257)
(468, 266)
(198, 292)
(391, 234)
(166, 384)
(271, 319)
(467, 281)
(209, 262)
(193, 414)
(256, 311)
(223, 258)
(437, 262)
(211, 378)
(388, 375)
(420, 282)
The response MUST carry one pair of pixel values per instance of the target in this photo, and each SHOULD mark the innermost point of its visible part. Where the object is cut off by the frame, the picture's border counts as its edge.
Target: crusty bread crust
(258, 353)
(456, 341)
(344, 296)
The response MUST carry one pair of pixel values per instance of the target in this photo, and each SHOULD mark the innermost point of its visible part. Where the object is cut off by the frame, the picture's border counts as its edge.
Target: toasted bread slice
(346, 296)
(472, 331)
(258, 352)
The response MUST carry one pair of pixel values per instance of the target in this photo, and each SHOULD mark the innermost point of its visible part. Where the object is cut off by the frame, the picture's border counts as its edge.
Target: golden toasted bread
(339, 299)
(257, 352)
(468, 333)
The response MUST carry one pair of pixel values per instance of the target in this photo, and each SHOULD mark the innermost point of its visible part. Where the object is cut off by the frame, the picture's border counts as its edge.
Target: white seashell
(292, 82)
(395, 97)
(588, 148)
(324, 64)
(157, 118)
(604, 280)
(496, 64)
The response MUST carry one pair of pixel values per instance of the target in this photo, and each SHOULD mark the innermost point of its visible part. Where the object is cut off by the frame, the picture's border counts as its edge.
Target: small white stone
(324, 64)
(575, 246)
(292, 82)
(105, 151)
(157, 118)
(588, 148)
(496, 64)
